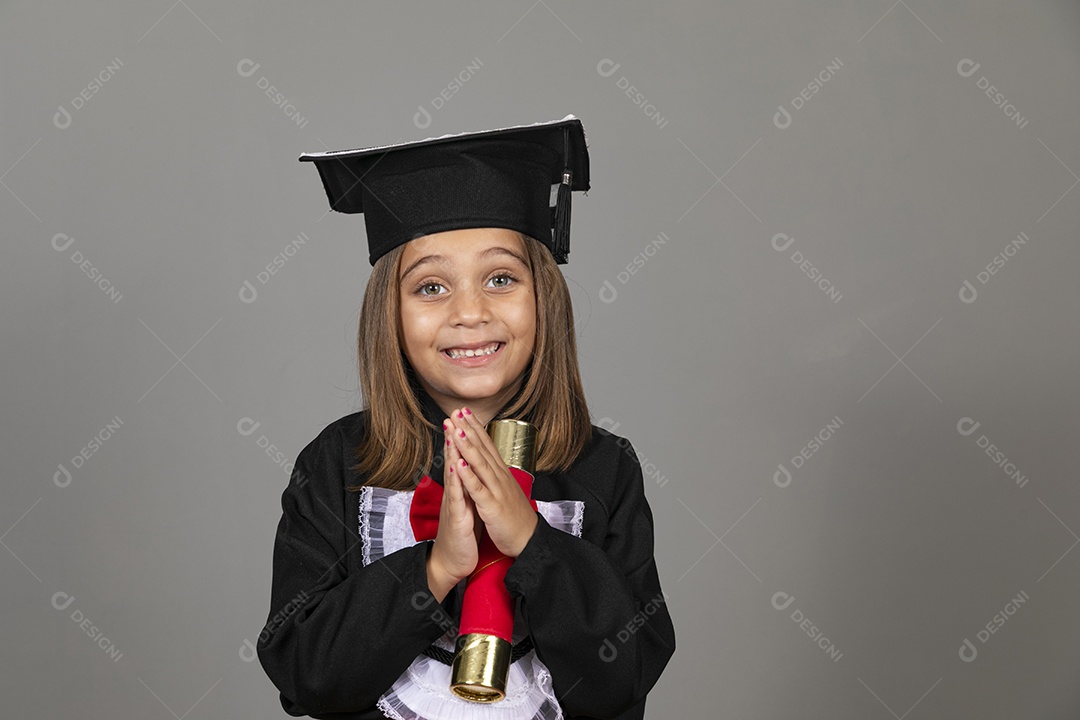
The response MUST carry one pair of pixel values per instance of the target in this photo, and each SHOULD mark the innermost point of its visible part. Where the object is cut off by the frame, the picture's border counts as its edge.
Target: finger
(465, 483)
(453, 486)
(465, 432)
(473, 486)
(454, 496)
(447, 448)
(480, 437)
(467, 479)
(465, 437)
(486, 445)
(474, 476)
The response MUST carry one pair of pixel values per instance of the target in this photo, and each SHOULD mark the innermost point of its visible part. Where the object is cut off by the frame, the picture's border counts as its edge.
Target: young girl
(466, 318)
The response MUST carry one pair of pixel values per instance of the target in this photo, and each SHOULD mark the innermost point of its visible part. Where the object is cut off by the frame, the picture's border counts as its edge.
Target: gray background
(898, 180)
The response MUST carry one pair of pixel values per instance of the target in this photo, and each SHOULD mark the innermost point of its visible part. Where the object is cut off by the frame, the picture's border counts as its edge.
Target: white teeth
(474, 353)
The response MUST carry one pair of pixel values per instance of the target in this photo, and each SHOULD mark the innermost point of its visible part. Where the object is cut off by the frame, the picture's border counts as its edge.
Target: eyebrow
(441, 259)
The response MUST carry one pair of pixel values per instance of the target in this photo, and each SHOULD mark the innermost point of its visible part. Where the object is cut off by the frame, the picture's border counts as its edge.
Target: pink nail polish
(462, 433)
(467, 411)
(459, 414)
(451, 468)
(448, 442)
(463, 463)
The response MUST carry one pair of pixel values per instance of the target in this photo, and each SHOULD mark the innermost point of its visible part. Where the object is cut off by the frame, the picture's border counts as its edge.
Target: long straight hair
(398, 438)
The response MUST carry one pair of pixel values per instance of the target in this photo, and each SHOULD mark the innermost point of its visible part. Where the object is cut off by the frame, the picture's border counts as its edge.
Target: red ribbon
(487, 606)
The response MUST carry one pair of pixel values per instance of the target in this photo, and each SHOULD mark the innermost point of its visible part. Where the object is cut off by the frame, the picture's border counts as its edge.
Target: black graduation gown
(339, 633)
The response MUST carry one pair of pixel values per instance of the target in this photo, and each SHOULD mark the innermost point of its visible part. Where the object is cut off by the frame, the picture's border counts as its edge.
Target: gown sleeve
(598, 617)
(335, 640)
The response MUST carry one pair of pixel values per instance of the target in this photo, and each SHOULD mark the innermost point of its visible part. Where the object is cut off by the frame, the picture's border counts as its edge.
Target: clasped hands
(479, 492)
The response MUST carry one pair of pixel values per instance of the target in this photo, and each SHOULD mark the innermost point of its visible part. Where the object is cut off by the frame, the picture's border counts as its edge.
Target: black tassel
(561, 235)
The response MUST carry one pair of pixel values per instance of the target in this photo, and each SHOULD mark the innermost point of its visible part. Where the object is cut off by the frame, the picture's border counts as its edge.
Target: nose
(469, 306)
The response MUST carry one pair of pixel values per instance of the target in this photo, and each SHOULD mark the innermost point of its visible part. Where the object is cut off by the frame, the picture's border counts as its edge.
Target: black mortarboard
(518, 178)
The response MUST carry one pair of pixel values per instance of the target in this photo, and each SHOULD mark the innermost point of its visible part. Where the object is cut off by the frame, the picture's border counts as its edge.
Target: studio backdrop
(824, 282)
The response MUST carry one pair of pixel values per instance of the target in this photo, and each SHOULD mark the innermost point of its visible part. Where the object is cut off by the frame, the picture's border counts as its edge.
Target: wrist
(440, 582)
(527, 536)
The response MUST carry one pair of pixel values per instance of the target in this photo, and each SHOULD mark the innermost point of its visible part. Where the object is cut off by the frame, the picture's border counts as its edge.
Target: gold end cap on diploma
(481, 667)
(516, 442)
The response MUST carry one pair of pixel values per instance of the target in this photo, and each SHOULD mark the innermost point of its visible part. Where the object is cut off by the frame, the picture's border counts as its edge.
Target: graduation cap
(518, 178)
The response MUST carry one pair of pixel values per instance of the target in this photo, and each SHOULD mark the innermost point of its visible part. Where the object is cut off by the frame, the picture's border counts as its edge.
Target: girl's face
(470, 289)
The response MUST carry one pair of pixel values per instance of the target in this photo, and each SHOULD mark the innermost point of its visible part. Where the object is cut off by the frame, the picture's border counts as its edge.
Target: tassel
(561, 233)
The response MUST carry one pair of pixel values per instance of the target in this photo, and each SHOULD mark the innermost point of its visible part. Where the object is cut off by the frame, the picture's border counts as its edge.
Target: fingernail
(451, 468)
(459, 414)
(462, 433)
(446, 424)
(463, 463)
(448, 442)
(467, 411)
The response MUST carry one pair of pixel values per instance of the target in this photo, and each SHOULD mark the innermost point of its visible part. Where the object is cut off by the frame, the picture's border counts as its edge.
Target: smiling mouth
(455, 354)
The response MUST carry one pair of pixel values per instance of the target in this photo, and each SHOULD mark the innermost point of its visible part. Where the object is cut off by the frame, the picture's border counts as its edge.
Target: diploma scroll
(482, 652)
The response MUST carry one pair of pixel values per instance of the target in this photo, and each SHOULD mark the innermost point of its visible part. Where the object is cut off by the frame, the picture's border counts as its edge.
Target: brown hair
(397, 437)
